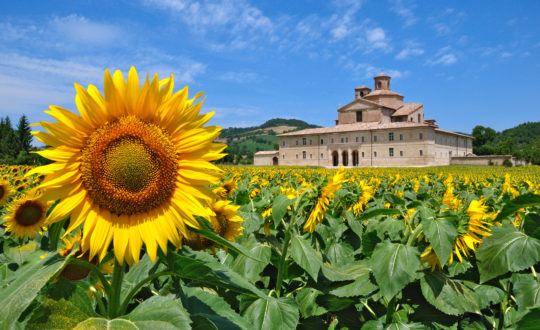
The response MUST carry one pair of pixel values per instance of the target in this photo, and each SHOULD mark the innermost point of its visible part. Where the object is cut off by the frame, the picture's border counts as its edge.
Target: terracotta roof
(360, 100)
(407, 109)
(454, 133)
(362, 87)
(382, 75)
(382, 92)
(356, 127)
(271, 152)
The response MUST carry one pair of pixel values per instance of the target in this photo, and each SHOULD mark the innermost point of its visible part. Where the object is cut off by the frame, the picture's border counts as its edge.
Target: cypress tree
(23, 134)
(8, 140)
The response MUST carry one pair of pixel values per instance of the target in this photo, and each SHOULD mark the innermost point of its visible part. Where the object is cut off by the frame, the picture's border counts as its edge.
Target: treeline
(16, 144)
(522, 142)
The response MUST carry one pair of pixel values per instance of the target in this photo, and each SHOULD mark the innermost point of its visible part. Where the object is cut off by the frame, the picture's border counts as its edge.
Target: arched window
(379, 85)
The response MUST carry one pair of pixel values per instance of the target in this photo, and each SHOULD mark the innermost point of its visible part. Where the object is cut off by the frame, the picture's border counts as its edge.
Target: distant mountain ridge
(243, 142)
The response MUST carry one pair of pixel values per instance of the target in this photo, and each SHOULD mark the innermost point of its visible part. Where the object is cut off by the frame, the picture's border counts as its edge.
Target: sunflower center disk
(1, 192)
(129, 166)
(29, 213)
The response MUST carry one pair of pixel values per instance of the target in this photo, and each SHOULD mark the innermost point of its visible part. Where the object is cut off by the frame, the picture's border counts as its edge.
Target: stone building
(376, 129)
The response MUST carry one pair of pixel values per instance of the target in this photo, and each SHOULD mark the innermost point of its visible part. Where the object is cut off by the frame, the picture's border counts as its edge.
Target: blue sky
(469, 62)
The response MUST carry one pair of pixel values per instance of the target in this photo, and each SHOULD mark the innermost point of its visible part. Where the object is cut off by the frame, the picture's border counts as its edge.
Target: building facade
(376, 129)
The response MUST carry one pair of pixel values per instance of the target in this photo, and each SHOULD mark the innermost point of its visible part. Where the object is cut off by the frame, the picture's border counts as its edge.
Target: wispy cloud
(444, 56)
(79, 29)
(239, 77)
(411, 48)
(377, 39)
(405, 11)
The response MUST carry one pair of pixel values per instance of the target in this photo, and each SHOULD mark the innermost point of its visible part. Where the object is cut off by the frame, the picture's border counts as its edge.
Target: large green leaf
(18, 253)
(250, 268)
(355, 225)
(31, 276)
(529, 199)
(203, 268)
(252, 221)
(360, 287)
(526, 289)
(279, 207)
(507, 249)
(441, 233)
(160, 312)
(486, 294)
(273, 313)
(348, 272)
(394, 265)
(306, 256)
(449, 296)
(201, 303)
(135, 275)
(306, 299)
(376, 212)
(56, 314)
(101, 323)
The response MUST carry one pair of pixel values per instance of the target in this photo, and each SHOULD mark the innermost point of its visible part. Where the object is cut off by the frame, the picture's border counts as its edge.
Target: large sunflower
(133, 167)
(5, 191)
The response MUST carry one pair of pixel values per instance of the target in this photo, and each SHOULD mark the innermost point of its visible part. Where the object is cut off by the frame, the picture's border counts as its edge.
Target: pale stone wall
(481, 160)
(265, 160)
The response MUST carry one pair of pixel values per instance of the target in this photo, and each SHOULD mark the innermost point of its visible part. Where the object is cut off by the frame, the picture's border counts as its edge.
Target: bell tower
(360, 92)
(382, 82)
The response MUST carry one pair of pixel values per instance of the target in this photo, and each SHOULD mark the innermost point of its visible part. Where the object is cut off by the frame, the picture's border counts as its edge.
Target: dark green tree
(23, 134)
(8, 142)
(482, 135)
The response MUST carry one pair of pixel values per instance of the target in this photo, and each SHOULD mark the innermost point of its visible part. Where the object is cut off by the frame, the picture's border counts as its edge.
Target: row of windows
(390, 153)
(346, 139)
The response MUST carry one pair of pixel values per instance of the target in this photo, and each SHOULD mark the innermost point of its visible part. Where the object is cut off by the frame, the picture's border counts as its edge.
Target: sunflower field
(133, 227)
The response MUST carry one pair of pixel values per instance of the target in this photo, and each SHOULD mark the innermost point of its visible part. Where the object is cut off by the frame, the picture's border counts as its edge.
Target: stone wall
(481, 160)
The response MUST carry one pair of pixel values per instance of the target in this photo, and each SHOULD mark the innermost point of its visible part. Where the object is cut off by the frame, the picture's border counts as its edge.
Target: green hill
(243, 142)
(522, 141)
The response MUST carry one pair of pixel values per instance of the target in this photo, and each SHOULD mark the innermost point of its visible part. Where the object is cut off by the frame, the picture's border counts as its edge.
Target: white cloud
(405, 11)
(82, 30)
(377, 39)
(444, 56)
(240, 77)
(411, 49)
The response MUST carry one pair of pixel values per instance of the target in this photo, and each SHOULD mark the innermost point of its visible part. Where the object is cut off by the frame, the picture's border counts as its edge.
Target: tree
(482, 135)
(8, 140)
(23, 134)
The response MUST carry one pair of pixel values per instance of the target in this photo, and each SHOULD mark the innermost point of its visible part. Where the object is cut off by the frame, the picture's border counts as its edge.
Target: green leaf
(306, 299)
(252, 221)
(526, 290)
(279, 207)
(393, 199)
(19, 253)
(208, 232)
(441, 233)
(362, 286)
(355, 225)
(507, 249)
(340, 253)
(135, 275)
(101, 323)
(306, 256)
(349, 272)
(273, 313)
(447, 295)
(486, 294)
(160, 312)
(394, 266)
(333, 303)
(369, 241)
(250, 268)
(29, 279)
(202, 303)
(530, 321)
(522, 201)
(53, 314)
(203, 323)
(376, 212)
(203, 268)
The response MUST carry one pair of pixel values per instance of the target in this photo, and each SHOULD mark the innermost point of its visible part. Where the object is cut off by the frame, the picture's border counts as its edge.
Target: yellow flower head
(5, 192)
(225, 222)
(132, 168)
(26, 215)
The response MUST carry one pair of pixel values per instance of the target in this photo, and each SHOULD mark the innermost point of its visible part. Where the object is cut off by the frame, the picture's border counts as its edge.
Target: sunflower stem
(116, 288)
(136, 289)
(415, 234)
(281, 270)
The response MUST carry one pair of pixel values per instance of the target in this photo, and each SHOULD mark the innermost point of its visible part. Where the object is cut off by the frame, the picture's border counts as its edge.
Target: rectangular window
(283, 143)
(401, 137)
(296, 142)
(322, 155)
(374, 153)
(421, 153)
(358, 116)
(421, 136)
(296, 156)
(357, 139)
(374, 138)
(322, 141)
(391, 152)
(362, 139)
(401, 153)
(346, 140)
(310, 142)
(342, 140)
(418, 117)
(303, 141)
(362, 154)
(310, 156)
(283, 157)
(304, 154)
(391, 136)
(332, 140)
